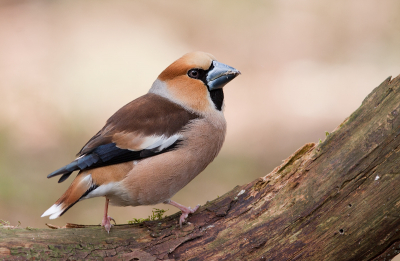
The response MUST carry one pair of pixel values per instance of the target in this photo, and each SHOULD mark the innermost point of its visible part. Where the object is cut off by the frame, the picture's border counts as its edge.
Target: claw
(185, 210)
(106, 219)
(107, 224)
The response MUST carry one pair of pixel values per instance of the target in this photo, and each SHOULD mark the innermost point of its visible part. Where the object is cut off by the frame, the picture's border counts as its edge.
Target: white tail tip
(54, 211)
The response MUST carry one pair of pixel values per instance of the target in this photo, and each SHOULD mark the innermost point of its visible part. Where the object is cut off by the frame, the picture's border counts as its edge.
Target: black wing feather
(105, 155)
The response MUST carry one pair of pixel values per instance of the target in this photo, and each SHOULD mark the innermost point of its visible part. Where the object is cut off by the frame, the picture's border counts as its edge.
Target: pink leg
(106, 219)
(185, 210)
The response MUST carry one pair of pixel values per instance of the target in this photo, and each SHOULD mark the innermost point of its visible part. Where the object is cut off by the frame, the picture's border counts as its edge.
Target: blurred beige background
(66, 66)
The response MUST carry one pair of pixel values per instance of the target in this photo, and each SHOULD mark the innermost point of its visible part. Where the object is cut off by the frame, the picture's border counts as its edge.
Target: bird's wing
(145, 127)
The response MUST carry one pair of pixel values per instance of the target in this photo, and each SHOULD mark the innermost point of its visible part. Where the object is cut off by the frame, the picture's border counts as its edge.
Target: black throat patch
(217, 96)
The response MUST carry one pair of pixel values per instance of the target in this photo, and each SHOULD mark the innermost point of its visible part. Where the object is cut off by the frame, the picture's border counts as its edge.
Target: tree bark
(336, 200)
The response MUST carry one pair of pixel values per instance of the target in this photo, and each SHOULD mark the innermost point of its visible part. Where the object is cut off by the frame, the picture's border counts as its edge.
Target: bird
(155, 145)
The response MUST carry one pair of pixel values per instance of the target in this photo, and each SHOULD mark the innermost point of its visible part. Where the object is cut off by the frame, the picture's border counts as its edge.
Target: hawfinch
(155, 145)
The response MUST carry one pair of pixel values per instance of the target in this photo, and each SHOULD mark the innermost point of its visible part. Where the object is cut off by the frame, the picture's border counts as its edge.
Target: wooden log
(336, 200)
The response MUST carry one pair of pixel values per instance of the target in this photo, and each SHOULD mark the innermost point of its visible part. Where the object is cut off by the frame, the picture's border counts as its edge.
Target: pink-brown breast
(156, 179)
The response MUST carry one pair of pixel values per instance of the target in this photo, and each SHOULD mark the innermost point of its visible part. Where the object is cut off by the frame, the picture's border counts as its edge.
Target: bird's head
(195, 81)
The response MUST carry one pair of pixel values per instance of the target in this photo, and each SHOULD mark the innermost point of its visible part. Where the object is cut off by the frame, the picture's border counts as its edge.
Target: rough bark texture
(336, 200)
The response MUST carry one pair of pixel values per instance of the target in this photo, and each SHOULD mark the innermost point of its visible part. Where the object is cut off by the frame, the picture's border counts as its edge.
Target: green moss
(4, 223)
(157, 214)
(31, 228)
(7, 224)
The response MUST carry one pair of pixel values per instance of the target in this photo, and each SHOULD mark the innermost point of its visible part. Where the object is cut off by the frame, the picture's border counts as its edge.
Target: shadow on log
(336, 200)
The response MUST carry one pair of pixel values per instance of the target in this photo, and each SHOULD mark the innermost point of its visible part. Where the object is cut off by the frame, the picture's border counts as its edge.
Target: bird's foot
(106, 223)
(185, 210)
(185, 213)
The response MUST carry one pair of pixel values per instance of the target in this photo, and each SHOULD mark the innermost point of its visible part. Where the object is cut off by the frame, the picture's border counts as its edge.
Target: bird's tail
(79, 188)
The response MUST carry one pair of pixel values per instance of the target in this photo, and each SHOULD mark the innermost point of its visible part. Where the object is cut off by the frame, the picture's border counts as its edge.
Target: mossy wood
(336, 200)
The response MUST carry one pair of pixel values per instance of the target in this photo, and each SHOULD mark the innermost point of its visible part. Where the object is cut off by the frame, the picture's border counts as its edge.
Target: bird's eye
(194, 73)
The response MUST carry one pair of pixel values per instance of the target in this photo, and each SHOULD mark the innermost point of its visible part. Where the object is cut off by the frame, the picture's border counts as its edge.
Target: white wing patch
(162, 142)
(159, 143)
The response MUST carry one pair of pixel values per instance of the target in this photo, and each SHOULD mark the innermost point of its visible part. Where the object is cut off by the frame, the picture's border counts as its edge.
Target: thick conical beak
(219, 75)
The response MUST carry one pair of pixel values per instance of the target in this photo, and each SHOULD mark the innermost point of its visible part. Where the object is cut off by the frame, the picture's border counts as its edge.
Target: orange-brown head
(195, 81)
